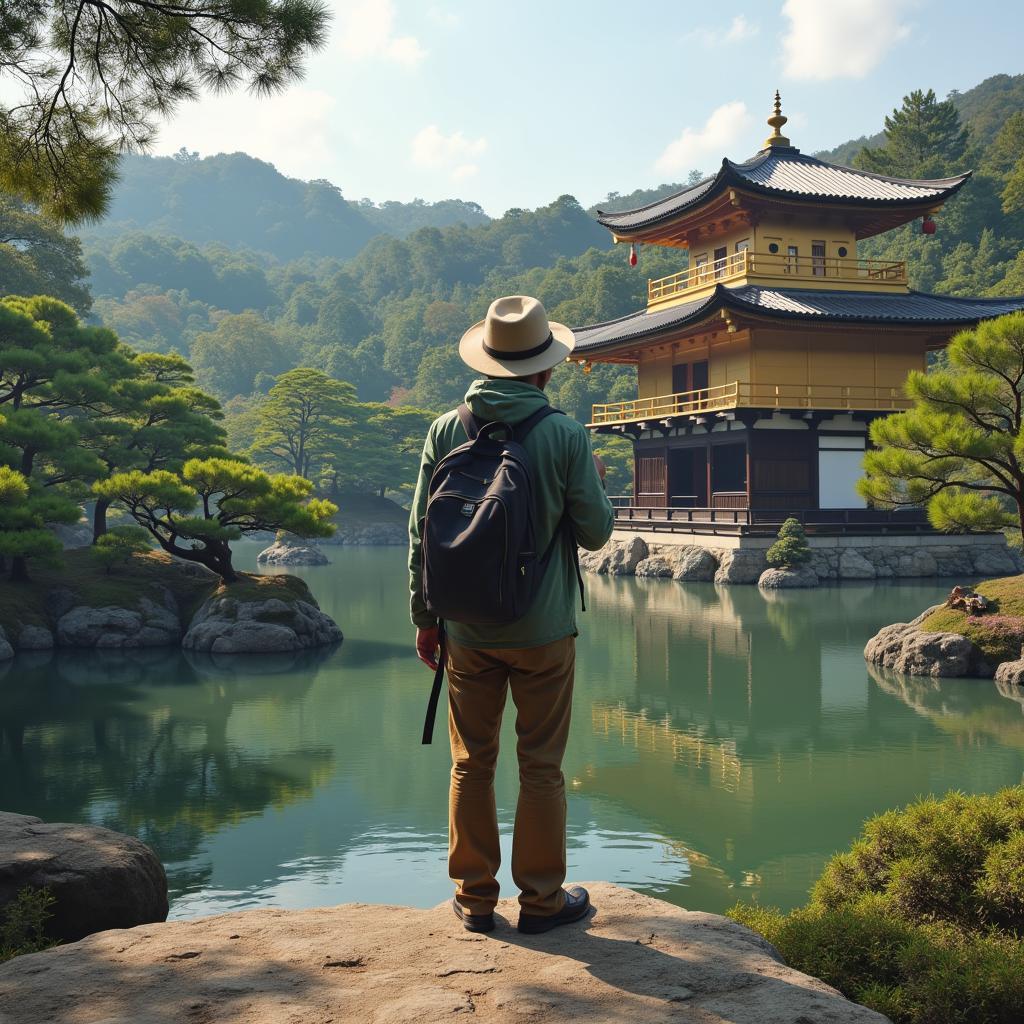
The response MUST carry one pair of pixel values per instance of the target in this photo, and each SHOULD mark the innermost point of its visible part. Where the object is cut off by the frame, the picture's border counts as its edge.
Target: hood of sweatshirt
(510, 401)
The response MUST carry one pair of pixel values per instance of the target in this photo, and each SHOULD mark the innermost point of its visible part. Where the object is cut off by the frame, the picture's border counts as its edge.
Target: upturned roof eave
(731, 175)
(732, 300)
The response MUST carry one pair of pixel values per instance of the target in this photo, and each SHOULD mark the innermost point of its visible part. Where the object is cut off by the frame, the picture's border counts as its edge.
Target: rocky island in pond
(977, 633)
(153, 600)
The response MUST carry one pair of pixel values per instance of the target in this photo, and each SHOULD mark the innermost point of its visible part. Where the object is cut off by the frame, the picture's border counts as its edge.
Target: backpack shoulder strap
(524, 427)
(470, 424)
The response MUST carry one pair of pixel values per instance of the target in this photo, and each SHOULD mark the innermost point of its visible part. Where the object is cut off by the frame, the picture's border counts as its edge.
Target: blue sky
(516, 104)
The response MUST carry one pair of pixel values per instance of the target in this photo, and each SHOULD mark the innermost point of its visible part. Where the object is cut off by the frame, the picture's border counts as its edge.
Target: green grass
(1000, 632)
(23, 604)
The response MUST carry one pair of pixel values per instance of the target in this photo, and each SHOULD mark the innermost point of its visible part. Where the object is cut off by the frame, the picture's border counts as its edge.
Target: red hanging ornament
(927, 226)
(632, 255)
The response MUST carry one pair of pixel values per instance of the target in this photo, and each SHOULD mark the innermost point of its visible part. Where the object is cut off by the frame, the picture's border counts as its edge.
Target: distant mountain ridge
(236, 200)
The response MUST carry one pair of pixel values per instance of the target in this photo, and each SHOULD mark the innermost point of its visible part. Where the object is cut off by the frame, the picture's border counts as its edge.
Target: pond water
(724, 744)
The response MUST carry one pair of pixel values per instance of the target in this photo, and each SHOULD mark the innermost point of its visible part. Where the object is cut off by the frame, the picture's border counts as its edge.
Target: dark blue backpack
(479, 551)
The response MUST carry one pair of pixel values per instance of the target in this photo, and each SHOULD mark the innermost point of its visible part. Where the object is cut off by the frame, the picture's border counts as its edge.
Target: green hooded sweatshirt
(564, 480)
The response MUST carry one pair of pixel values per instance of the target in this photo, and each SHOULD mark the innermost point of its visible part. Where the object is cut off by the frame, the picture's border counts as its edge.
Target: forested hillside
(249, 274)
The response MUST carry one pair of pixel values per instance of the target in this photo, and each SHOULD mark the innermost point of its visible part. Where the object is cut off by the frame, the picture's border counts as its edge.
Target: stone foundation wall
(832, 558)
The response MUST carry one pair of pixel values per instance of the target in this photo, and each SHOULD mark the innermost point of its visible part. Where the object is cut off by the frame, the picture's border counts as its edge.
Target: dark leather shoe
(473, 922)
(577, 906)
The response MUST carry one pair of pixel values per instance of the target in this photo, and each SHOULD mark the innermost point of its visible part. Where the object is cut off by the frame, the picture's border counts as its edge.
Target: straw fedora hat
(515, 339)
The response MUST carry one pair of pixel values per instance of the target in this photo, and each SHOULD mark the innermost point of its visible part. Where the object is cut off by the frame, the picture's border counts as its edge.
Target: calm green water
(724, 745)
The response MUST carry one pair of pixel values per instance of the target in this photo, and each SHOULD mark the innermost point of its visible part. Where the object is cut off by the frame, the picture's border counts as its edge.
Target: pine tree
(97, 76)
(924, 138)
(195, 514)
(303, 420)
(959, 450)
(791, 549)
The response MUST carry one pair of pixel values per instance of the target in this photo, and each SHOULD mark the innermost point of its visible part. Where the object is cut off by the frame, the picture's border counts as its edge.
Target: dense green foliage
(195, 514)
(923, 919)
(118, 546)
(23, 923)
(959, 449)
(95, 78)
(38, 258)
(791, 549)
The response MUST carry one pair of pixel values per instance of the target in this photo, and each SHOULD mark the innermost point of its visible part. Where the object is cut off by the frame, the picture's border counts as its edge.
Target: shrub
(923, 919)
(22, 922)
(791, 549)
(117, 546)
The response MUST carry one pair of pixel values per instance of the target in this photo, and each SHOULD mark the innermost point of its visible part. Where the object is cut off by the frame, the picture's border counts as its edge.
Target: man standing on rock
(515, 349)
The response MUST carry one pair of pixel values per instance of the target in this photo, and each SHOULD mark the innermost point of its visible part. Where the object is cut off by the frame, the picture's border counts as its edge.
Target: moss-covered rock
(153, 600)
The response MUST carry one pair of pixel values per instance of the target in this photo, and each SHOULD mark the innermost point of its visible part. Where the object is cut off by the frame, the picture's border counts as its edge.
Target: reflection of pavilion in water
(757, 737)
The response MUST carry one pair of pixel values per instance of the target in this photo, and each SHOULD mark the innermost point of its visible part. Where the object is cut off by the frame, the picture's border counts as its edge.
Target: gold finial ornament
(776, 121)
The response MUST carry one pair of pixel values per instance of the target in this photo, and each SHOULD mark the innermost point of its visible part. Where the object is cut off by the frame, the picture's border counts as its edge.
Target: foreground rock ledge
(638, 959)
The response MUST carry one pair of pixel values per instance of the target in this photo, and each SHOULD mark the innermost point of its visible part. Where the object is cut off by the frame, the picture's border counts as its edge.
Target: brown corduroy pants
(541, 680)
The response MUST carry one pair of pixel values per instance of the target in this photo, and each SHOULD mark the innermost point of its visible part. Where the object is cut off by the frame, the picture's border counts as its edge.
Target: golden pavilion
(762, 363)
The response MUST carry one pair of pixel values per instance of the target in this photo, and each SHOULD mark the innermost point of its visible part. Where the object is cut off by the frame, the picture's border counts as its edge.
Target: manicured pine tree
(791, 549)
(195, 514)
(154, 419)
(959, 449)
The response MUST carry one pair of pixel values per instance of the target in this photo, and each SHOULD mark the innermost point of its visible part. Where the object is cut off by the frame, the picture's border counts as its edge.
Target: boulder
(6, 650)
(854, 566)
(693, 564)
(616, 558)
(743, 565)
(280, 553)
(903, 647)
(226, 625)
(636, 959)
(100, 879)
(150, 625)
(655, 566)
(1011, 673)
(35, 638)
(784, 579)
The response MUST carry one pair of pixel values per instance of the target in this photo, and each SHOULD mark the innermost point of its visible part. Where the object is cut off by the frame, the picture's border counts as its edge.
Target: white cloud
(367, 31)
(443, 17)
(722, 132)
(739, 29)
(841, 38)
(294, 129)
(455, 153)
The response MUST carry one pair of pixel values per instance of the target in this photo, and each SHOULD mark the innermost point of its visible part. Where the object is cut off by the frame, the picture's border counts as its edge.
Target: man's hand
(600, 466)
(427, 643)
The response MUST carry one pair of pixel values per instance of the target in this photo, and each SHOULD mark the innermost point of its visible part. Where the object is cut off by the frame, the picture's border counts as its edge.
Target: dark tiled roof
(788, 172)
(799, 304)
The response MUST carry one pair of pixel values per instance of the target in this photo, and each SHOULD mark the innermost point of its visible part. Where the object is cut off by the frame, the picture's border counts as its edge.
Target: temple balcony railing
(740, 395)
(799, 271)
